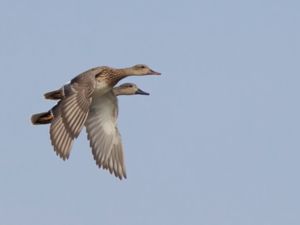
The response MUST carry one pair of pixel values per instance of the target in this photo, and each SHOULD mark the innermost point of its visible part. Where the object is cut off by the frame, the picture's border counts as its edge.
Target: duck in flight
(90, 100)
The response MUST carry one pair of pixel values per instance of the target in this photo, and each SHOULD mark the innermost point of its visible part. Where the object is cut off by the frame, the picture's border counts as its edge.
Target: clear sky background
(216, 142)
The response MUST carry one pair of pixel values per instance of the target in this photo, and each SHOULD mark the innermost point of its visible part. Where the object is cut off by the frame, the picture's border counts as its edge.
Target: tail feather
(54, 95)
(42, 118)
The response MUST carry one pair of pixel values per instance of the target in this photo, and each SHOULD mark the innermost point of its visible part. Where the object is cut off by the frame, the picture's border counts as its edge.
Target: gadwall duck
(101, 126)
(83, 91)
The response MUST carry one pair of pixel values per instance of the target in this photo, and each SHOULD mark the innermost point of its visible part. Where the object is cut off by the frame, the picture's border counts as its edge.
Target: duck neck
(124, 72)
(119, 74)
(117, 91)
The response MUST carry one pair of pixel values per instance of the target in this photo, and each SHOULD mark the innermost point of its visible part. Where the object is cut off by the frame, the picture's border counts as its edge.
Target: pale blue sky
(216, 142)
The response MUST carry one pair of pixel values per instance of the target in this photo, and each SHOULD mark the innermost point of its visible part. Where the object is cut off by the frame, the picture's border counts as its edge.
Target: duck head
(138, 70)
(142, 69)
(129, 89)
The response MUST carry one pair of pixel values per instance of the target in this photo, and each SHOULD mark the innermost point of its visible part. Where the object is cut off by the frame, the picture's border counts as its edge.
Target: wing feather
(104, 136)
(75, 106)
(60, 138)
(72, 110)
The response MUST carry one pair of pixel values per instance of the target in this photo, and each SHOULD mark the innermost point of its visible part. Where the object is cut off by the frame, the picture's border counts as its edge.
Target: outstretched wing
(72, 110)
(70, 114)
(61, 139)
(104, 136)
(75, 107)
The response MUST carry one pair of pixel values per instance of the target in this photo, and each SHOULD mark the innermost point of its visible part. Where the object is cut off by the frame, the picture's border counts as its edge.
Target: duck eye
(141, 66)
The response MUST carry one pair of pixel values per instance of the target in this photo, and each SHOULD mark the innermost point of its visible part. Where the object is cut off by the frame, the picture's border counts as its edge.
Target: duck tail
(54, 95)
(42, 118)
